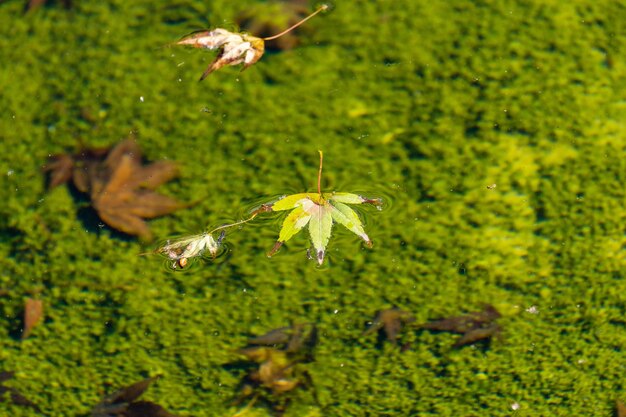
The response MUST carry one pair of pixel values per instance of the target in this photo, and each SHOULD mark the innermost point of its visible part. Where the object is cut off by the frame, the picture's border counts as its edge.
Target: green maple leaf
(319, 211)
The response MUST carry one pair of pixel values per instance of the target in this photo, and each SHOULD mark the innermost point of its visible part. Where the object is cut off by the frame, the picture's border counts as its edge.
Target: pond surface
(494, 132)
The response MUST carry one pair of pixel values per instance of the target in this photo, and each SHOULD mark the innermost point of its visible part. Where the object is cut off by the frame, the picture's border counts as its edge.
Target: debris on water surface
(123, 403)
(390, 322)
(278, 356)
(473, 327)
(234, 48)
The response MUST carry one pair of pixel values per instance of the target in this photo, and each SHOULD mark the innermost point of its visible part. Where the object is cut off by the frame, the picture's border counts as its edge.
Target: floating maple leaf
(319, 211)
(234, 48)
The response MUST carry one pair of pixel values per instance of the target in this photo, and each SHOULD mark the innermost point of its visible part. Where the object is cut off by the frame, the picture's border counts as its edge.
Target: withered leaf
(122, 403)
(278, 369)
(33, 313)
(473, 326)
(273, 337)
(299, 337)
(275, 371)
(620, 409)
(465, 323)
(390, 321)
(474, 335)
(60, 168)
(119, 184)
(235, 48)
(130, 393)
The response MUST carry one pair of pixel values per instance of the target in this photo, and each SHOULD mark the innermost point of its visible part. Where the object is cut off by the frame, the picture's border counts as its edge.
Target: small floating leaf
(234, 48)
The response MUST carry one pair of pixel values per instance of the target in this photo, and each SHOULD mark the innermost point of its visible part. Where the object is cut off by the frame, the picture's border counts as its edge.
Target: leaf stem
(226, 226)
(319, 174)
(320, 9)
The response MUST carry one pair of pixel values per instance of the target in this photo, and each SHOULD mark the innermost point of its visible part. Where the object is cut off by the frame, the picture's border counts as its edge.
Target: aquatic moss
(424, 103)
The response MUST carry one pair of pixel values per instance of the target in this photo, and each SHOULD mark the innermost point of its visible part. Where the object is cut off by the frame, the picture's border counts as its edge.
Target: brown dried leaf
(149, 205)
(120, 177)
(130, 393)
(60, 169)
(33, 313)
(122, 403)
(125, 223)
(119, 185)
(128, 147)
(476, 335)
(391, 322)
(473, 326)
(465, 323)
(152, 175)
(273, 337)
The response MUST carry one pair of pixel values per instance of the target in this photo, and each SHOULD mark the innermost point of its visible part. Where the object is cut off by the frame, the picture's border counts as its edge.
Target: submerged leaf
(33, 312)
(465, 323)
(476, 326)
(119, 184)
(390, 321)
(123, 403)
(278, 355)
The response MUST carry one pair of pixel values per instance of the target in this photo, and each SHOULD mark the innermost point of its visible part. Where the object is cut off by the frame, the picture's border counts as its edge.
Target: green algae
(426, 103)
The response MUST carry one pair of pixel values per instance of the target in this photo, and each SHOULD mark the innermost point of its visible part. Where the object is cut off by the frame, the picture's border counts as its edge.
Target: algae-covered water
(428, 104)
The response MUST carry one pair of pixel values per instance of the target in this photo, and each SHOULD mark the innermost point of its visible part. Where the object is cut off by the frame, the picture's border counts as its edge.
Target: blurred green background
(425, 103)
